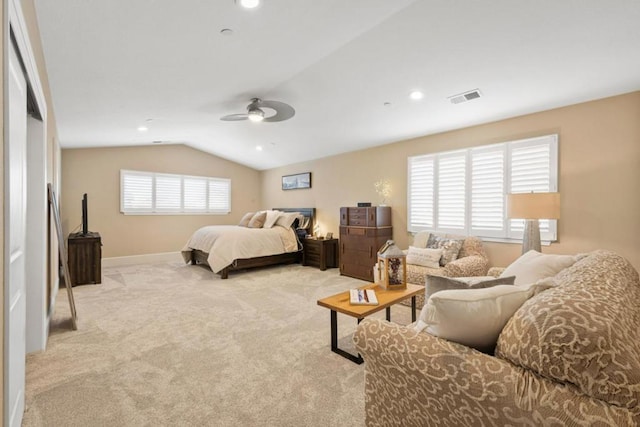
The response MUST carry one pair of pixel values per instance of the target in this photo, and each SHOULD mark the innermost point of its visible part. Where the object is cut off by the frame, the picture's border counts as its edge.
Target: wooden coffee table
(386, 298)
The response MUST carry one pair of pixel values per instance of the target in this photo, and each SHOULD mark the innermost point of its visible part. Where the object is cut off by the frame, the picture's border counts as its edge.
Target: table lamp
(531, 207)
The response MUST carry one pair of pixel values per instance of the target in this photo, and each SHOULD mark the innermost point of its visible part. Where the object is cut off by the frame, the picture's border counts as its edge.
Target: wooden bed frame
(200, 257)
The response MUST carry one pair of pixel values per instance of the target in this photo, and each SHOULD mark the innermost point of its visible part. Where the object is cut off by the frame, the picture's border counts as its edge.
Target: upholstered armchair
(472, 260)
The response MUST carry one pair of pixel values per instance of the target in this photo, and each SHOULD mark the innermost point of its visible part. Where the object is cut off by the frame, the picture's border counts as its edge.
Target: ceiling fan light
(256, 115)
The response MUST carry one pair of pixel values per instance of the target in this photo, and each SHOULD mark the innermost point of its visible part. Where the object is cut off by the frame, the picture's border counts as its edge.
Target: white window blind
(195, 194)
(219, 200)
(465, 191)
(487, 190)
(421, 187)
(533, 169)
(155, 193)
(139, 194)
(451, 191)
(168, 193)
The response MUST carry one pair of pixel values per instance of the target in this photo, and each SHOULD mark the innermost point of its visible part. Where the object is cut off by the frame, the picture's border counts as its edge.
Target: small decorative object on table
(329, 236)
(392, 267)
(363, 297)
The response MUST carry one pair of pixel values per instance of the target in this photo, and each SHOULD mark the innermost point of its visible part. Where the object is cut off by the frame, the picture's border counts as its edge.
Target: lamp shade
(533, 205)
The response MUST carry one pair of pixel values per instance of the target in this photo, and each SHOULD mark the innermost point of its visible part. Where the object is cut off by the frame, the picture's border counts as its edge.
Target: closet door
(14, 241)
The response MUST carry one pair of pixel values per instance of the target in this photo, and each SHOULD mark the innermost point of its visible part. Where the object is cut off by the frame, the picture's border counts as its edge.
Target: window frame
(182, 210)
(506, 234)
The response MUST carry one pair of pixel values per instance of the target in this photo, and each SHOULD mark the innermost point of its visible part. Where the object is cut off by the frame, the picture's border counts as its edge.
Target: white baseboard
(142, 259)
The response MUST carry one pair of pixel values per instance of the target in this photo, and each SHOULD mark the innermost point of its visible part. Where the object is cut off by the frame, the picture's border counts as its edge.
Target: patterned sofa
(569, 356)
(472, 261)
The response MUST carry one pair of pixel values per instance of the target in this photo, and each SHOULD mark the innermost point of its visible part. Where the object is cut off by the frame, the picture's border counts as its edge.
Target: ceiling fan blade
(235, 117)
(283, 111)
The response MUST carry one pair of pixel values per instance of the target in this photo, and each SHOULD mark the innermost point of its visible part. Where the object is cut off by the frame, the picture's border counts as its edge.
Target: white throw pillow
(420, 239)
(474, 317)
(424, 257)
(272, 217)
(533, 266)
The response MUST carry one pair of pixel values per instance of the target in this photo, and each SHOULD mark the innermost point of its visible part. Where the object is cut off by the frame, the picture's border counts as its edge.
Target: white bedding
(226, 243)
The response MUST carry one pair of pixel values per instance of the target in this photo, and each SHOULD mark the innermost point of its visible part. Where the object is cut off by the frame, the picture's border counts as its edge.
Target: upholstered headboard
(309, 213)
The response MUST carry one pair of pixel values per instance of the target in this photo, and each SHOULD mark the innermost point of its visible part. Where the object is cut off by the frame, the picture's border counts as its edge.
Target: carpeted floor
(171, 344)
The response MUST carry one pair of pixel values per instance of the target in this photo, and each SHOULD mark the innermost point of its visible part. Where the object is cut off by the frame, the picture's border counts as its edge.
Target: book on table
(363, 297)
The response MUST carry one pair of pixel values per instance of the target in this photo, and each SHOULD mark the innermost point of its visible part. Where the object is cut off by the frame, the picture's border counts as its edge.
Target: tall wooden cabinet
(362, 232)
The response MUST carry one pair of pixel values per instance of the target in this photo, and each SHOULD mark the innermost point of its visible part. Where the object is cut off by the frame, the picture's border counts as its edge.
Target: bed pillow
(270, 220)
(257, 221)
(533, 266)
(244, 222)
(435, 284)
(424, 256)
(474, 317)
(286, 219)
(450, 248)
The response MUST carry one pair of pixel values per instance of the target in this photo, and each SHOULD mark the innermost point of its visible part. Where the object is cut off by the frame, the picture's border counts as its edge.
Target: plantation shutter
(464, 191)
(421, 191)
(219, 195)
(168, 193)
(488, 191)
(451, 191)
(533, 168)
(195, 194)
(137, 191)
(155, 193)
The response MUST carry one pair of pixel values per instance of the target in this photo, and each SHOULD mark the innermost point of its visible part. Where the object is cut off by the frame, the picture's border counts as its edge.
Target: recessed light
(387, 104)
(226, 32)
(416, 94)
(258, 147)
(157, 142)
(142, 128)
(248, 4)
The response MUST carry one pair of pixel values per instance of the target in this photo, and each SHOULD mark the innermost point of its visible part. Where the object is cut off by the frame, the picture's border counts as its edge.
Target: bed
(225, 248)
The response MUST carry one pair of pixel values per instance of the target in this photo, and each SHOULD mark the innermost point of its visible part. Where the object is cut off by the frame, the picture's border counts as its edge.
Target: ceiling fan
(256, 113)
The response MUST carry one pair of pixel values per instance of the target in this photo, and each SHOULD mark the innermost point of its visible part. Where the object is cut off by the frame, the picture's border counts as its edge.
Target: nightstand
(85, 255)
(320, 253)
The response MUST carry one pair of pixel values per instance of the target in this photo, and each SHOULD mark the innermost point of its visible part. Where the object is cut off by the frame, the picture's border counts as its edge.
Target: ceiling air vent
(464, 97)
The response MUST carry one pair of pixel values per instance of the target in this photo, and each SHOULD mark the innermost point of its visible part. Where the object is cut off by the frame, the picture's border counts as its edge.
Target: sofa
(472, 260)
(570, 355)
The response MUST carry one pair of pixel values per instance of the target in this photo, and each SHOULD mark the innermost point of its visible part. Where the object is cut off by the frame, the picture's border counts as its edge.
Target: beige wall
(599, 144)
(2, 59)
(96, 171)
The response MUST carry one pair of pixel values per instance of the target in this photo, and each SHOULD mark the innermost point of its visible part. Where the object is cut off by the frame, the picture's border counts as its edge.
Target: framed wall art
(297, 181)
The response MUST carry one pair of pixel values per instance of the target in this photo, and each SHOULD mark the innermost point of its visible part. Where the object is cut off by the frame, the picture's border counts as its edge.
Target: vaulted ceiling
(346, 66)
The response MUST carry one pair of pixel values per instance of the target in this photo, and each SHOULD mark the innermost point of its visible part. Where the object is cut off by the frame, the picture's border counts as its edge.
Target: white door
(15, 221)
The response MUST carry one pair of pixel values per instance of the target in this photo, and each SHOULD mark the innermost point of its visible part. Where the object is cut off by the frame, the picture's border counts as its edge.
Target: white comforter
(226, 243)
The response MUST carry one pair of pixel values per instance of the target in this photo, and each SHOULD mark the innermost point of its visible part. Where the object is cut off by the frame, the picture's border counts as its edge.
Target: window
(464, 191)
(160, 193)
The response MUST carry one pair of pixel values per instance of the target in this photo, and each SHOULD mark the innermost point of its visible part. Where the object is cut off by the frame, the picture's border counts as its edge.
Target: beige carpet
(171, 344)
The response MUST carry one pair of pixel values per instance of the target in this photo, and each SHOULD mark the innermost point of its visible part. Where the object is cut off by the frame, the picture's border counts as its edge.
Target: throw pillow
(450, 248)
(286, 219)
(424, 257)
(244, 222)
(533, 266)
(420, 239)
(257, 221)
(435, 284)
(270, 220)
(474, 317)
